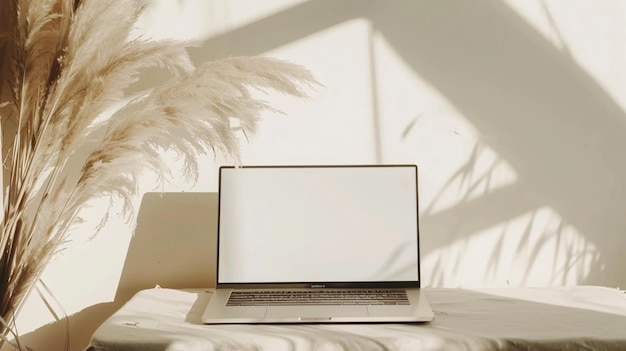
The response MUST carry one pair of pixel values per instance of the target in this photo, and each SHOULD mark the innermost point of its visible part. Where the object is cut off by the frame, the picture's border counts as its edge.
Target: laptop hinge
(313, 286)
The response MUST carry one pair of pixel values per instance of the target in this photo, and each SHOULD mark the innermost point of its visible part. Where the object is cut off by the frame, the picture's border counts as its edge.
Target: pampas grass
(64, 64)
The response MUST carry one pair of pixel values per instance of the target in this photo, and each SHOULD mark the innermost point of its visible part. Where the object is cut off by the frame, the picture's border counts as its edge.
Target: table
(549, 318)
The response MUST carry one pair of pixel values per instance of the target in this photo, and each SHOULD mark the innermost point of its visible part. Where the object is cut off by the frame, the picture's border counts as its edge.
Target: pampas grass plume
(64, 65)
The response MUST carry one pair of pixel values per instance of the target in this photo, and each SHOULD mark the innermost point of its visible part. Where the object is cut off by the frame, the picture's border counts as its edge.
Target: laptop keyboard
(318, 297)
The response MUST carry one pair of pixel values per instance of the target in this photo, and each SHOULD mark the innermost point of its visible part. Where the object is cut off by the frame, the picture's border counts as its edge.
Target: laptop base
(218, 313)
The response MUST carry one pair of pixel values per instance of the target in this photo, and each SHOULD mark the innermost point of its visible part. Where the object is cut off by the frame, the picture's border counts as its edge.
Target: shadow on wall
(174, 246)
(531, 102)
(537, 108)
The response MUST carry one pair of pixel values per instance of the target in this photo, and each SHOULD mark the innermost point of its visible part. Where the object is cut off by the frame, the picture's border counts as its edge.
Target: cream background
(513, 110)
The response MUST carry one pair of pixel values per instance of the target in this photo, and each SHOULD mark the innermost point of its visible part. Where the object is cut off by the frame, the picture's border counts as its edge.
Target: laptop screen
(305, 224)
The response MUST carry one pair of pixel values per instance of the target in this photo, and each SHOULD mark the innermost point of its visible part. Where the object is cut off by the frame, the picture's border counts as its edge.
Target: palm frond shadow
(565, 258)
(495, 257)
(463, 177)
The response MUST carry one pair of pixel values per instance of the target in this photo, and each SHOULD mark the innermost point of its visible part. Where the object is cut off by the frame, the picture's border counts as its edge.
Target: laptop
(318, 244)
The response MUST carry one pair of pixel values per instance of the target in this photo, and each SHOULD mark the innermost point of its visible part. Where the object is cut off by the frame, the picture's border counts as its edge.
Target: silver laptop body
(318, 244)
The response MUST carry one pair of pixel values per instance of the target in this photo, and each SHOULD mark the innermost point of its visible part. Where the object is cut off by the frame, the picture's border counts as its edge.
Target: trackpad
(305, 312)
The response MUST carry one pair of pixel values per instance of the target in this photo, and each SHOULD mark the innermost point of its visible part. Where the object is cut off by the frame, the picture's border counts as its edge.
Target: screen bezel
(336, 285)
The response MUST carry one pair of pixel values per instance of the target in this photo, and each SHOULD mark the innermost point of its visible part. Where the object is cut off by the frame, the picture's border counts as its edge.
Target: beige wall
(513, 111)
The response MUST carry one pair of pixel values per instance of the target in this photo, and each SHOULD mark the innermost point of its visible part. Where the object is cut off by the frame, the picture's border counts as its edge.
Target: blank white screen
(318, 224)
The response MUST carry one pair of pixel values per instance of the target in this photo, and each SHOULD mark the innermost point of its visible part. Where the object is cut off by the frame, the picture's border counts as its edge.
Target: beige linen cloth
(555, 318)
